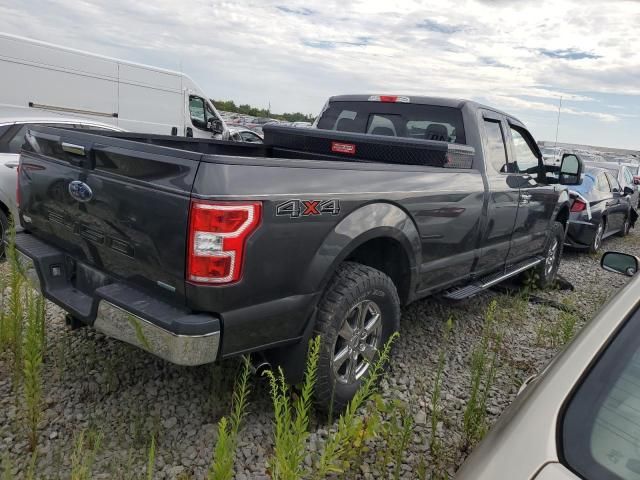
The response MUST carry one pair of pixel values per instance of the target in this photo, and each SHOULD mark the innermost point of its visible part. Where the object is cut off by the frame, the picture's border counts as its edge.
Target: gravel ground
(94, 383)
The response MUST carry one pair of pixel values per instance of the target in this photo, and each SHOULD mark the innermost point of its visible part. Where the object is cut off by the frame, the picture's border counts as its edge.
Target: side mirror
(618, 262)
(571, 170)
(215, 125)
(627, 191)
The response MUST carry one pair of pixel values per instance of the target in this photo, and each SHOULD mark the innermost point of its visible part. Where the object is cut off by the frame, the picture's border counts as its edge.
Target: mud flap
(634, 217)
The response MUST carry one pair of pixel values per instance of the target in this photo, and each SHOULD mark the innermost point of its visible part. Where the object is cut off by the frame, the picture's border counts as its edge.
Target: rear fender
(375, 220)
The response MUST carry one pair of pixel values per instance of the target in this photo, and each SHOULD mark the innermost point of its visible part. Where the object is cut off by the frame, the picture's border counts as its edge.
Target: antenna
(558, 122)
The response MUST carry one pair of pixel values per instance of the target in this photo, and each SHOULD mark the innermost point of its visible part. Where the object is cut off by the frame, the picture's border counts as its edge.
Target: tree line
(230, 106)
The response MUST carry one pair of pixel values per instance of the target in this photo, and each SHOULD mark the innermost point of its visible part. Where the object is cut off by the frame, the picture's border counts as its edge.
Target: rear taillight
(217, 237)
(578, 206)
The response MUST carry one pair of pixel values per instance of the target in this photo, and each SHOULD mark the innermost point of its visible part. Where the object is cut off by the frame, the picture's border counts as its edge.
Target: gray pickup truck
(200, 250)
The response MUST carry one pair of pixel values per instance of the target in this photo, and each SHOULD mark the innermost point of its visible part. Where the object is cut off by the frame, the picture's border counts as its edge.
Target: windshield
(426, 122)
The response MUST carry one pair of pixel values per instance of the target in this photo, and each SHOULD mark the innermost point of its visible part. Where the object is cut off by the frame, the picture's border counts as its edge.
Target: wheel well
(563, 216)
(388, 256)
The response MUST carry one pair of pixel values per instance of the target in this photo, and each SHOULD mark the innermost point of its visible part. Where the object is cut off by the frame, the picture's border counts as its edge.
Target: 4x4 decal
(306, 208)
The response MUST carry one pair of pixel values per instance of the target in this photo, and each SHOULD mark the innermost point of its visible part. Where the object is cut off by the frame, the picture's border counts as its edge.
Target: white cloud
(523, 55)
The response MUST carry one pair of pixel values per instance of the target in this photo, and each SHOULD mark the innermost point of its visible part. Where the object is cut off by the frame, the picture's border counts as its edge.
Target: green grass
(86, 446)
(292, 419)
(32, 359)
(436, 447)
(224, 453)
(484, 363)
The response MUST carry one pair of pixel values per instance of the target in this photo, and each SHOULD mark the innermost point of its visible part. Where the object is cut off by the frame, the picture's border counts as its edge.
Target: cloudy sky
(518, 55)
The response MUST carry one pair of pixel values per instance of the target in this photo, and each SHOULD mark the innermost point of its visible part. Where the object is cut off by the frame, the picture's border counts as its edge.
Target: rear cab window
(410, 120)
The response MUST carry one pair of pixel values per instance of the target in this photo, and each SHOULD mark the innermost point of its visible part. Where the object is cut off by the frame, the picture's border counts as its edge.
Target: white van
(133, 97)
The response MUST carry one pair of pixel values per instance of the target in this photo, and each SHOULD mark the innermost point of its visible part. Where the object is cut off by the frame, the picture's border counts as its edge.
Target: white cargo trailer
(134, 97)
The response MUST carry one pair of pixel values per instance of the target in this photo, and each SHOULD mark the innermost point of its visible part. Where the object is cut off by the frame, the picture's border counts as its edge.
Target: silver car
(14, 122)
(580, 418)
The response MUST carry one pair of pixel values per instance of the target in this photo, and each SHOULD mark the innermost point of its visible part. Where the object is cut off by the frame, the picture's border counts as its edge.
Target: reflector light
(217, 235)
(348, 148)
(578, 206)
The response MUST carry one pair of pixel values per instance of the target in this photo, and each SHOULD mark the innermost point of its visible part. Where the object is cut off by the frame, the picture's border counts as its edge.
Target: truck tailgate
(108, 206)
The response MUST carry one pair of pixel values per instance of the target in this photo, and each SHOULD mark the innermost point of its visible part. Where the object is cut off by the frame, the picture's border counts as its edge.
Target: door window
(602, 184)
(382, 125)
(601, 426)
(615, 186)
(627, 176)
(197, 111)
(526, 160)
(496, 149)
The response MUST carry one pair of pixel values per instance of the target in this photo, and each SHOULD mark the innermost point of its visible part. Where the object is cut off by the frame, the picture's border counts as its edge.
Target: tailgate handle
(73, 149)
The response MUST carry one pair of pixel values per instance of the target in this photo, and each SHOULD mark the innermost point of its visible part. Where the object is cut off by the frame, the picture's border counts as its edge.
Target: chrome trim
(117, 323)
(511, 273)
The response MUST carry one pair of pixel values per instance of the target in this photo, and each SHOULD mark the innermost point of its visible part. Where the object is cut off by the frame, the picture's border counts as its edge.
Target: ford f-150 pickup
(199, 250)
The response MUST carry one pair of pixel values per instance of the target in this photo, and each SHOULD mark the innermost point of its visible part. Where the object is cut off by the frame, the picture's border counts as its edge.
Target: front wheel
(547, 270)
(358, 313)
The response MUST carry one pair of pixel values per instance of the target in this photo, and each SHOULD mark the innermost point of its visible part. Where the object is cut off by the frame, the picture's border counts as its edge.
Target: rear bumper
(580, 233)
(118, 310)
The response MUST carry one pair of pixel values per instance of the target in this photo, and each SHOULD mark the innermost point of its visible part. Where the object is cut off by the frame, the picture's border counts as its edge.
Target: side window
(602, 184)
(600, 427)
(345, 122)
(496, 150)
(615, 186)
(197, 111)
(15, 144)
(526, 160)
(627, 176)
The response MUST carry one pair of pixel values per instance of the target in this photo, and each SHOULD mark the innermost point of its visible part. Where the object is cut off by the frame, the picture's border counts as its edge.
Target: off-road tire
(352, 284)
(547, 270)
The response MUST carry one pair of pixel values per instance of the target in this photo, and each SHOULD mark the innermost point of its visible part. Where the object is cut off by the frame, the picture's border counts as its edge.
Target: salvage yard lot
(124, 396)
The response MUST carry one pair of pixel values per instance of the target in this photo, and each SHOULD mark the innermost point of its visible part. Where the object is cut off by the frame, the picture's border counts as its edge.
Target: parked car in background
(301, 124)
(600, 209)
(14, 123)
(624, 175)
(240, 134)
(580, 417)
(553, 155)
(134, 97)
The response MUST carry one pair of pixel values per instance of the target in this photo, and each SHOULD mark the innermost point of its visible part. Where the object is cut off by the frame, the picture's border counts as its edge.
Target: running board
(466, 291)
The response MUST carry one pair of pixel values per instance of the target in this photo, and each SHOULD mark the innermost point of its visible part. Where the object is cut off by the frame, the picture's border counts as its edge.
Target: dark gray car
(601, 208)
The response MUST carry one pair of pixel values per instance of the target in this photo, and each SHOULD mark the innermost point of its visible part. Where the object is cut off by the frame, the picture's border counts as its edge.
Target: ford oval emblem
(80, 191)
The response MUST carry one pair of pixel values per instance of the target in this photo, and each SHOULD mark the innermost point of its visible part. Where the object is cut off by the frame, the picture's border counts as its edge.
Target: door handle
(12, 164)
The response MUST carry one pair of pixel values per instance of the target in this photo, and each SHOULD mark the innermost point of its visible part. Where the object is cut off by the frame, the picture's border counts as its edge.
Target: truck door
(537, 201)
(504, 192)
(617, 205)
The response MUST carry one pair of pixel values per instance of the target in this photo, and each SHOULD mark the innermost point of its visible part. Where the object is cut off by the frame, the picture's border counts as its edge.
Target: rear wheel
(547, 270)
(358, 313)
(596, 243)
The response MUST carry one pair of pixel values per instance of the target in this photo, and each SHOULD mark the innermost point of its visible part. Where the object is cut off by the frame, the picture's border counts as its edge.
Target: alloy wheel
(358, 342)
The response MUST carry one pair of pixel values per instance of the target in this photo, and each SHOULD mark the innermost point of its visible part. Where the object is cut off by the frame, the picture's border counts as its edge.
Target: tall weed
(484, 363)
(224, 453)
(292, 419)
